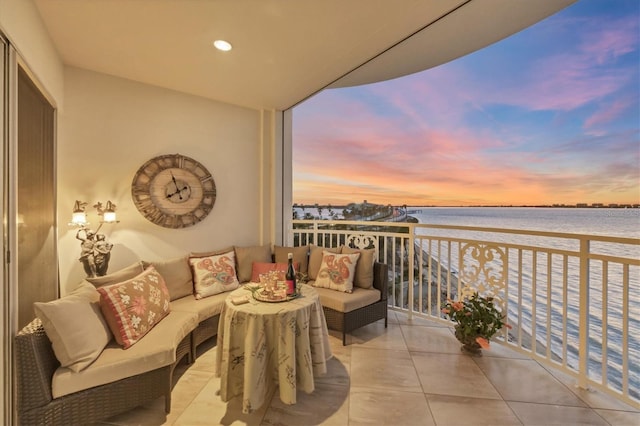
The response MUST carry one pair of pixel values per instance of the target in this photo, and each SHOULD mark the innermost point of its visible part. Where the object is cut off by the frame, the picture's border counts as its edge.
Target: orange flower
(484, 343)
(457, 306)
(445, 311)
(508, 326)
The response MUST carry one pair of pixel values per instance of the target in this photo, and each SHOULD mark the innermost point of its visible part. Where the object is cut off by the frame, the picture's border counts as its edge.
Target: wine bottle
(290, 277)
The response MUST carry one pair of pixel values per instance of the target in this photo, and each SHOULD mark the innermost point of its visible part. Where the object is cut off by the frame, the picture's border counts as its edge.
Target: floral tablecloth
(261, 344)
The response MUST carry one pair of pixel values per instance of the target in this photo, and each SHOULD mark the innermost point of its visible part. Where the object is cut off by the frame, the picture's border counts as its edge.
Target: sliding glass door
(36, 204)
(28, 208)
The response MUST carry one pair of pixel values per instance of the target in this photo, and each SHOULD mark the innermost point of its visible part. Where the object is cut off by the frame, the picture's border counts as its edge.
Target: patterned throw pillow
(135, 306)
(214, 274)
(337, 271)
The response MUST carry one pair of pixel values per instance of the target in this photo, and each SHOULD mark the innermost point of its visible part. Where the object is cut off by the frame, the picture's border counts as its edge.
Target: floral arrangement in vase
(477, 321)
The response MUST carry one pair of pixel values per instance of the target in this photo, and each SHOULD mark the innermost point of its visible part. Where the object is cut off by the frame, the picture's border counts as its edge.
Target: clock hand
(184, 188)
(173, 178)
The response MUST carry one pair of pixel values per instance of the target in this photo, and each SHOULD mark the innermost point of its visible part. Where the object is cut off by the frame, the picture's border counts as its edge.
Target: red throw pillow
(263, 268)
(135, 306)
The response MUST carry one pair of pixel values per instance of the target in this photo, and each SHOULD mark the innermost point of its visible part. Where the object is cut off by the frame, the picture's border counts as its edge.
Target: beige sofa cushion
(300, 255)
(118, 276)
(364, 268)
(204, 308)
(245, 256)
(315, 259)
(177, 275)
(75, 326)
(347, 302)
(157, 349)
(211, 253)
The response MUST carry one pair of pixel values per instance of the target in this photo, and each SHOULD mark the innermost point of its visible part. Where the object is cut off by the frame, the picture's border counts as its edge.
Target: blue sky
(548, 115)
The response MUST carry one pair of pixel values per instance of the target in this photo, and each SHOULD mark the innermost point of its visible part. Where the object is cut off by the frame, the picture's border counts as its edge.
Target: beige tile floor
(412, 373)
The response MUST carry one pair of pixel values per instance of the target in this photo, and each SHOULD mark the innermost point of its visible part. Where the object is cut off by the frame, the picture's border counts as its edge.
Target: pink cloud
(607, 113)
(616, 39)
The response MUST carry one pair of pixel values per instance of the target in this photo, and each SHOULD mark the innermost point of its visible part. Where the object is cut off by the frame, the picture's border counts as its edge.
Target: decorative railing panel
(573, 300)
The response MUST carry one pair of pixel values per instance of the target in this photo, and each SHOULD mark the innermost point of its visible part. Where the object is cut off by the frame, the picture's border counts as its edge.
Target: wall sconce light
(95, 251)
(108, 213)
(79, 217)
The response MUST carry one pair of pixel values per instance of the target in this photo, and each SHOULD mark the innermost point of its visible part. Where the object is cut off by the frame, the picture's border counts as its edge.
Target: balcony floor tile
(388, 407)
(458, 375)
(411, 373)
(384, 370)
(456, 410)
(430, 339)
(546, 414)
(526, 381)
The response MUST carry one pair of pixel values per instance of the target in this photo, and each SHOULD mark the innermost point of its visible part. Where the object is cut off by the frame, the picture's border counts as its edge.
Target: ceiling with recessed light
(284, 51)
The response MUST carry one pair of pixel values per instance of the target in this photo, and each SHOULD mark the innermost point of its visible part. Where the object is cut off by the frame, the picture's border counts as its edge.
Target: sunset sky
(549, 115)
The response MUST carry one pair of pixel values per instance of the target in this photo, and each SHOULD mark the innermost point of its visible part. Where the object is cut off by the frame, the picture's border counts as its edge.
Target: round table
(261, 344)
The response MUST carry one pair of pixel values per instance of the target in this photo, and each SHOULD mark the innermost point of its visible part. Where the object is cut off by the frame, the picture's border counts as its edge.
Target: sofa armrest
(381, 279)
(35, 363)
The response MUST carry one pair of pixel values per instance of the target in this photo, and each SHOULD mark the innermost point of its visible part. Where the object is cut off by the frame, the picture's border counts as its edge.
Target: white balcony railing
(579, 295)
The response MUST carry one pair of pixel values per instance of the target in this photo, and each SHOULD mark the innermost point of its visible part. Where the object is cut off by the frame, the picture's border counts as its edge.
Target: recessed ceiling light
(223, 45)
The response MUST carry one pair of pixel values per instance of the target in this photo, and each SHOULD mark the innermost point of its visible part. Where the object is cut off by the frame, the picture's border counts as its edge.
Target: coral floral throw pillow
(135, 306)
(337, 271)
(214, 274)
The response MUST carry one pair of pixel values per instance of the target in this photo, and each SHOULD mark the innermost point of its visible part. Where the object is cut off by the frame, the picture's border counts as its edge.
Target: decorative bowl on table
(272, 288)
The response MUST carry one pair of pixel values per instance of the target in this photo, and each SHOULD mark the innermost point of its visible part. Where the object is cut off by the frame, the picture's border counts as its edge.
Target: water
(611, 222)
(603, 221)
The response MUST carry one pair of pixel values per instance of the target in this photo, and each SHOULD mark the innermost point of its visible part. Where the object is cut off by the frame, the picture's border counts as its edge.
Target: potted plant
(477, 321)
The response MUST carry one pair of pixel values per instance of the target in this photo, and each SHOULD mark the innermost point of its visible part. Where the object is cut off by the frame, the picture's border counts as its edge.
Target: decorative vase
(469, 344)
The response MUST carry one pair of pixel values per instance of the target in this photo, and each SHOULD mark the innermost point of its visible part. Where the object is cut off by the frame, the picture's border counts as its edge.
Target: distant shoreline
(554, 206)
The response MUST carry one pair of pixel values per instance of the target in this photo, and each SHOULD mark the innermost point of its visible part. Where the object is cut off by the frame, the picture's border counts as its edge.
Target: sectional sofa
(112, 344)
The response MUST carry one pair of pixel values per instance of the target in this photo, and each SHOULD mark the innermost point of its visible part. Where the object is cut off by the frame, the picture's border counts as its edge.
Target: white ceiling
(284, 50)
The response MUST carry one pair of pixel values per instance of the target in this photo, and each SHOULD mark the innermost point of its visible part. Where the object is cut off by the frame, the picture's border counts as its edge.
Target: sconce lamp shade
(109, 216)
(79, 218)
(109, 213)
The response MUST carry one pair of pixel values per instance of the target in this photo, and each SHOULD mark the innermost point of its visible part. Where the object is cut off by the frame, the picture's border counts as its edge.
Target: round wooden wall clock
(173, 191)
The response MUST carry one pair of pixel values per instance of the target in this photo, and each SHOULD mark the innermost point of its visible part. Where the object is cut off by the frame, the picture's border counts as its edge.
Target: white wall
(111, 126)
(22, 24)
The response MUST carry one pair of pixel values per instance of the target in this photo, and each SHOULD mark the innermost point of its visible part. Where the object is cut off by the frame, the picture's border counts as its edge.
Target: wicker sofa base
(346, 322)
(102, 402)
(205, 330)
(36, 363)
